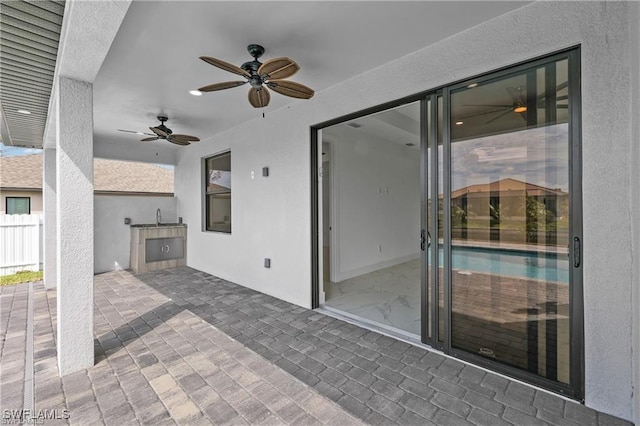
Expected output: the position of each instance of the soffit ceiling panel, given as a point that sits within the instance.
(153, 61)
(29, 36)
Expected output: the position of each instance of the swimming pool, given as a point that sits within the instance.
(520, 264)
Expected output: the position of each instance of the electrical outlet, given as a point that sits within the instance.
(267, 263)
(253, 175)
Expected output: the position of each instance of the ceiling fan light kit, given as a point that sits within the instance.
(260, 76)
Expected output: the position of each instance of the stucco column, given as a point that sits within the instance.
(74, 224)
(49, 201)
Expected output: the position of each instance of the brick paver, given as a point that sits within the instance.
(182, 346)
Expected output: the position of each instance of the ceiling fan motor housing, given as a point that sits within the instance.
(256, 51)
(162, 119)
(164, 129)
(251, 66)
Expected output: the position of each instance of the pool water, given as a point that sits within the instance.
(520, 264)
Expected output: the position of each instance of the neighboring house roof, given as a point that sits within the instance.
(109, 176)
(127, 176)
(23, 172)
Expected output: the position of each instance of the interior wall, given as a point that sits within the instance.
(112, 238)
(272, 215)
(376, 191)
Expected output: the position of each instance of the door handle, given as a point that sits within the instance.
(162, 248)
(428, 239)
(577, 257)
(422, 239)
(167, 246)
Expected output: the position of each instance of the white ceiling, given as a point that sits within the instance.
(153, 62)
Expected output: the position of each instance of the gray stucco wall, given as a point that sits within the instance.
(272, 216)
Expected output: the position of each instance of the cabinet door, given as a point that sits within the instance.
(154, 250)
(173, 248)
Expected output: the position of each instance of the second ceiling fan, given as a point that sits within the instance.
(260, 76)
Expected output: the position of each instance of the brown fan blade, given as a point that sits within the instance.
(278, 68)
(259, 98)
(222, 86)
(185, 137)
(289, 88)
(225, 66)
(178, 141)
(154, 138)
(159, 132)
(133, 131)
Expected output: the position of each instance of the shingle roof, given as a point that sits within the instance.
(127, 176)
(21, 172)
(109, 175)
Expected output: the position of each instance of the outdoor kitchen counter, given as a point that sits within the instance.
(156, 247)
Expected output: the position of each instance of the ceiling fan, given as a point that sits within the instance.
(165, 133)
(260, 75)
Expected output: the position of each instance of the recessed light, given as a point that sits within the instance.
(520, 108)
(195, 92)
(459, 123)
(472, 85)
(354, 125)
(24, 111)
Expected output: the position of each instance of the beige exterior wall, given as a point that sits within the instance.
(36, 200)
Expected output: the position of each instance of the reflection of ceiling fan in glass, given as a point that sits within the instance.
(519, 105)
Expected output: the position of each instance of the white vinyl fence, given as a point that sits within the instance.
(20, 243)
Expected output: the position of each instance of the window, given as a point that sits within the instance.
(18, 205)
(218, 193)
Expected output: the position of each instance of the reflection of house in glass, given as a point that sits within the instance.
(510, 210)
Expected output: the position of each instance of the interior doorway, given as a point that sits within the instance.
(370, 214)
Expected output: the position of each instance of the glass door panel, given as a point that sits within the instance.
(509, 220)
(375, 218)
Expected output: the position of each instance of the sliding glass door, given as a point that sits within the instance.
(509, 219)
(497, 266)
(371, 193)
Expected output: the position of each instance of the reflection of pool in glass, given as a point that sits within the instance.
(514, 263)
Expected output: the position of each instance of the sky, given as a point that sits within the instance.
(14, 151)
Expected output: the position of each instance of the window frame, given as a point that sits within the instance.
(6, 204)
(206, 194)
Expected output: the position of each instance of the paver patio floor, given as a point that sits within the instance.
(180, 346)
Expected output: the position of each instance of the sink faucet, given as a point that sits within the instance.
(158, 217)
